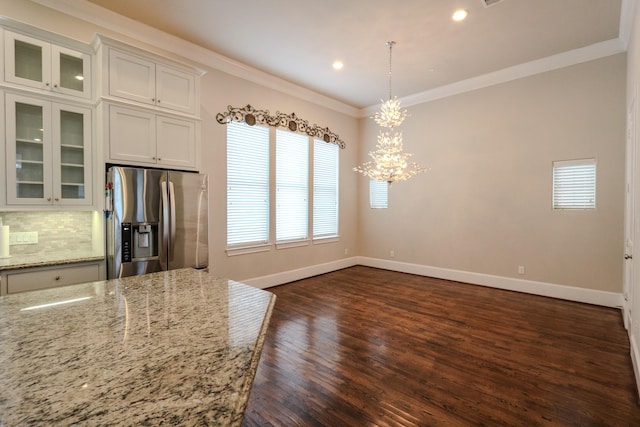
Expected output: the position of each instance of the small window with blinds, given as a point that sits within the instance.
(574, 184)
(247, 186)
(325, 189)
(292, 186)
(378, 194)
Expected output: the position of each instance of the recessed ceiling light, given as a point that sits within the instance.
(338, 65)
(460, 15)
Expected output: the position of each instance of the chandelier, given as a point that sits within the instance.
(389, 162)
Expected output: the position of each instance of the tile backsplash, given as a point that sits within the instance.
(57, 231)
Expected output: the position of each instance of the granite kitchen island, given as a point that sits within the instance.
(171, 348)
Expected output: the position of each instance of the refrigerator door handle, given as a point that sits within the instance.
(172, 200)
(165, 224)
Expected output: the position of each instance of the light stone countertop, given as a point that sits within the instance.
(49, 258)
(173, 348)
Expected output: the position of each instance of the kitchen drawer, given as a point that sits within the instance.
(50, 278)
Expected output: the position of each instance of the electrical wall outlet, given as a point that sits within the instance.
(521, 269)
(23, 238)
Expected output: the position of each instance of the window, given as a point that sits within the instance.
(325, 189)
(574, 184)
(247, 185)
(378, 194)
(289, 187)
(292, 186)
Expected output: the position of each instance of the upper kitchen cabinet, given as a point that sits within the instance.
(129, 74)
(40, 64)
(139, 137)
(137, 79)
(48, 153)
(148, 107)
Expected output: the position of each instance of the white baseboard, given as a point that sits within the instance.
(590, 296)
(635, 359)
(300, 273)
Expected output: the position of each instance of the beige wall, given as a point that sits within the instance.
(485, 204)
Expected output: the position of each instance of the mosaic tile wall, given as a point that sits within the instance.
(57, 231)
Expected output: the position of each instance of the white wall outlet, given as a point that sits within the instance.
(392, 253)
(521, 269)
(346, 251)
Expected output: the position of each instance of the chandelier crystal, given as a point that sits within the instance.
(390, 115)
(389, 161)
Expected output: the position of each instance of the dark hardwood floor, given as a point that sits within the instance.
(369, 347)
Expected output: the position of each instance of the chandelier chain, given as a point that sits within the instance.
(390, 45)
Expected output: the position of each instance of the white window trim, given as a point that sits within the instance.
(585, 205)
(377, 190)
(291, 142)
(326, 239)
(255, 245)
(242, 250)
(287, 244)
(335, 210)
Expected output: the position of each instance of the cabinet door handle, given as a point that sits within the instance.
(48, 199)
(47, 84)
(56, 199)
(158, 101)
(153, 100)
(55, 85)
(57, 277)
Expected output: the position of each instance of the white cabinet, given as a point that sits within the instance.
(36, 63)
(137, 136)
(138, 79)
(48, 153)
(149, 107)
(43, 278)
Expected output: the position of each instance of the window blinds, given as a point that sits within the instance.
(247, 184)
(378, 194)
(325, 189)
(574, 184)
(292, 186)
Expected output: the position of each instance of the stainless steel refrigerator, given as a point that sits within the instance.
(156, 220)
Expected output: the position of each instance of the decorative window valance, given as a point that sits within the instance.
(251, 116)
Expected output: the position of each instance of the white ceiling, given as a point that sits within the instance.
(297, 40)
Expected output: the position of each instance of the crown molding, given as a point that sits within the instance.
(561, 60)
(627, 12)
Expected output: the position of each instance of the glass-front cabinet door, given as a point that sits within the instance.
(48, 152)
(42, 65)
(28, 151)
(72, 155)
(70, 71)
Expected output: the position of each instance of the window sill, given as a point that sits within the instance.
(248, 249)
(292, 244)
(328, 239)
